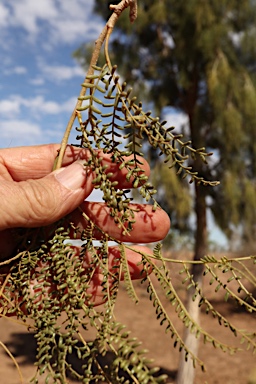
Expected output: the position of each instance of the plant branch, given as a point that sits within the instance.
(117, 10)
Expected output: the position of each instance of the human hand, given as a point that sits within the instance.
(34, 196)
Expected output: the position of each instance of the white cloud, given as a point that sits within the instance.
(27, 13)
(9, 106)
(4, 15)
(175, 118)
(20, 132)
(37, 81)
(40, 105)
(18, 70)
(36, 106)
(75, 22)
(67, 21)
(58, 73)
(52, 107)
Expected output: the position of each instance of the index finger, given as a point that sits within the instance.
(35, 162)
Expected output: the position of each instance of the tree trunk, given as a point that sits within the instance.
(186, 371)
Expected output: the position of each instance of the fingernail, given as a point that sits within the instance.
(73, 176)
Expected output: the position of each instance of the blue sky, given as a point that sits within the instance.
(39, 79)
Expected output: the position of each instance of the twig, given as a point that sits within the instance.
(117, 10)
(14, 361)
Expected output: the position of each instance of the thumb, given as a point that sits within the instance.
(40, 202)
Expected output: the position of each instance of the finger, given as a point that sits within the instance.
(35, 203)
(149, 226)
(97, 290)
(32, 162)
(22, 163)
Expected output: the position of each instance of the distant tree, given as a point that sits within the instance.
(199, 57)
